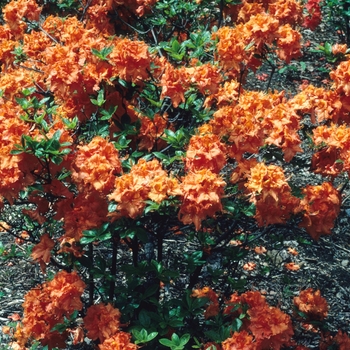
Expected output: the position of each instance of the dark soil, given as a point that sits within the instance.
(325, 264)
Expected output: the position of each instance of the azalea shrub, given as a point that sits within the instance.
(127, 126)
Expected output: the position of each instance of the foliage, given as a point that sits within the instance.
(126, 126)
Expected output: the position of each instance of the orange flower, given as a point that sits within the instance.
(227, 94)
(327, 162)
(95, 165)
(207, 292)
(312, 304)
(240, 341)
(314, 18)
(282, 125)
(342, 340)
(270, 327)
(146, 180)
(101, 321)
(174, 83)
(233, 50)
(211, 346)
(341, 77)
(321, 205)
(131, 60)
(320, 103)
(288, 43)
(85, 212)
(249, 9)
(119, 341)
(15, 11)
(42, 251)
(260, 250)
(292, 251)
(205, 151)
(271, 194)
(292, 266)
(65, 291)
(250, 266)
(286, 11)
(206, 78)
(201, 193)
(47, 305)
(339, 49)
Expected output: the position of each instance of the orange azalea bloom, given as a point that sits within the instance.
(146, 180)
(292, 251)
(46, 306)
(131, 60)
(320, 103)
(326, 162)
(342, 340)
(312, 303)
(78, 335)
(102, 321)
(288, 43)
(339, 49)
(205, 151)
(14, 317)
(206, 78)
(282, 124)
(95, 165)
(247, 10)
(65, 291)
(286, 11)
(42, 251)
(260, 250)
(15, 11)
(321, 205)
(271, 328)
(240, 341)
(233, 58)
(242, 170)
(227, 94)
(271, 194)
(119, 341)
(341, 78)
(174, 83)
(262, 29)
(250, 266)
(292, 266)
(315, 15)
(207, 292)
(201, 193)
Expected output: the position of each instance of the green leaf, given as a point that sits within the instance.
(166, 342)
(106, 115)
(160, 155)
(102, 54)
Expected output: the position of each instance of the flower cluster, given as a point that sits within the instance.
(271, 193)
(267, 327)
(47, 305)
(145, 181)
(207, 292)
(321, 206)
(312, 304)
(205, 151)
(201, 192)
(238, 48)
(96, 165)
(314, 18)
